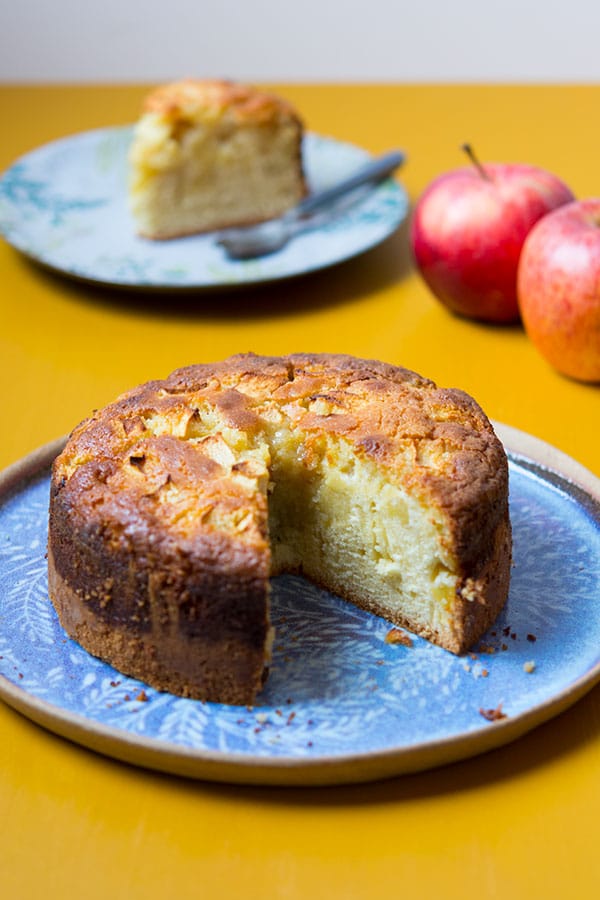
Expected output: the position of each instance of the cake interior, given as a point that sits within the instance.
(333, 515)
(347, 528)
(190, 177)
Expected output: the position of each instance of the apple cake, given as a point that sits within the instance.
(211, 154)
(171, 508)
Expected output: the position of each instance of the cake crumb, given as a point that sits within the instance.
(397, 636)
(531, 638)
(529, 666)
(493, 715)
(142, 697)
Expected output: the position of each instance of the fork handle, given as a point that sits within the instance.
(375, 170)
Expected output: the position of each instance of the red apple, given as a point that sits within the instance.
(468, 229)
(559, 288)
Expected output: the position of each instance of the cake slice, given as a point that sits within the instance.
(212, 154)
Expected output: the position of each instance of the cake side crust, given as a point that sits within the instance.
(189, 666)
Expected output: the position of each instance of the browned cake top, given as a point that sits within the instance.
(194, 99)
(437, 443)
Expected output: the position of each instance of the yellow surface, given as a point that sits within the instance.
(521, 821)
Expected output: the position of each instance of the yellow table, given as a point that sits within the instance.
(520, 821)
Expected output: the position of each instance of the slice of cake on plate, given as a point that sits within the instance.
(209, 154)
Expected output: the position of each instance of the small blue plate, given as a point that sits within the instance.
(65, 206)
(341, 704)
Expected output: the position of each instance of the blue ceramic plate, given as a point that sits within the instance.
(65, 206)
(341, 704)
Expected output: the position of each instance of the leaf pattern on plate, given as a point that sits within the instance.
(35, 198)
(336, 687)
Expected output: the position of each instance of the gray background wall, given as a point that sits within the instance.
(303, 40)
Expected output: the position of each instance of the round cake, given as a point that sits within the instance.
(172, 507)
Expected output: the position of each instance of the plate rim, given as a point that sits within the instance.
(199, 286)
(293, 771)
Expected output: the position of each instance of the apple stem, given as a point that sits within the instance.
(471, 154)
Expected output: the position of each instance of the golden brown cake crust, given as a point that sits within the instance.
(386, 412)
(163, 593)
(200, 98)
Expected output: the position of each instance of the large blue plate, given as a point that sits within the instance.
(341, 704)
(65, 205)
